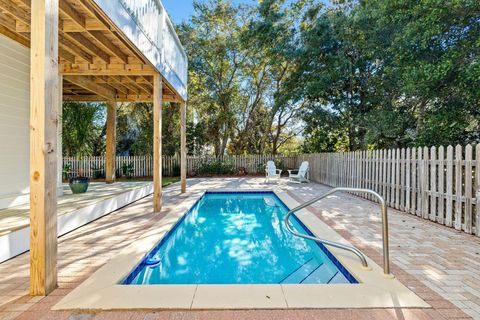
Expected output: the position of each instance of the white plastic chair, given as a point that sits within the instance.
(271, 171)
(301, 175)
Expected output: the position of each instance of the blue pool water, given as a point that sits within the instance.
(237, 238)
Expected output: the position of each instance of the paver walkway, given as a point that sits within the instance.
(439, 264)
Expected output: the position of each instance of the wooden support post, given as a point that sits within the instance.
(111, 142)
(157, 142)
(44, 93)
(183, 147)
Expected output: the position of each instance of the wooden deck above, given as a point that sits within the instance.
(98, 61)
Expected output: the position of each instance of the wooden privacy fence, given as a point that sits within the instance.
(439, 184)
(142, 166)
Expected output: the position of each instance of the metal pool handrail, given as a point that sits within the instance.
(358, 253)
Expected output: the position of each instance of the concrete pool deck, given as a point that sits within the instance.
(438, 264)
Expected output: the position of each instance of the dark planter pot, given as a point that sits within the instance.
(79, 184)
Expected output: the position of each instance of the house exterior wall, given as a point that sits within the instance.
(14, 123)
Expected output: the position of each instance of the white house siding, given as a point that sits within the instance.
(14, 123)
(14, 119)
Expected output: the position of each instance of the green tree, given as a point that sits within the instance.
(392, 73)
(211, 39)
(82, 125)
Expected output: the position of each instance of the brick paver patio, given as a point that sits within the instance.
(439, 264)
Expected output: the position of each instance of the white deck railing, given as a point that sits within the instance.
(147, 25)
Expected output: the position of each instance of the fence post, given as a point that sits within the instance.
(433, 184)
(441, 185)
(419, 181)
(413, 181)
(425, 188)
(397, 179)
(449, 191)
(468, 189)
(458, 187)
(477, 188)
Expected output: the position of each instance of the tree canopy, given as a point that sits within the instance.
(301, 76)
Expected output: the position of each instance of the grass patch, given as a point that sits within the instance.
(166, 181)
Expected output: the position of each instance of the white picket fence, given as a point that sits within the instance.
(142, 166)
(439, 184)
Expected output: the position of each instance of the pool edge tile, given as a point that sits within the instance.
(239, 297)
(388, 295)
(131, 297)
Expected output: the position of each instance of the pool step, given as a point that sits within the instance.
(320, 275)
(339, 278)
(301, 272)
(311, 272)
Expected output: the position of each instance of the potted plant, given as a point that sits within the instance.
(79, 184)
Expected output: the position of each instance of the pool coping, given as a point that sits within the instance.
(103, 291)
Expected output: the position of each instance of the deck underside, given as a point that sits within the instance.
(96, 59)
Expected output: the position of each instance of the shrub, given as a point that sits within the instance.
(217, 167)
(127, 170)
(176, 169)
(67, 170)
(98, 172)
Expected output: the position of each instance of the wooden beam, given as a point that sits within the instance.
(44, 93)
(85, 43)
(25, 41)
(113, 82)
(106, 70)
(27, 3)
(66, 55)
(15, 36)
(83, 98)
(138, 86)
(108, 44)
(145, 81)
(90, 24)
(21, 27)
(8, 22)
(93, 12)
(183, 147)
(120, 35)
(111, 142)
(73, 14)
(89, 84)
(128, 83)
(69, 96)
(98, 35)
(157, 143)
(74, 49)
(15, 11)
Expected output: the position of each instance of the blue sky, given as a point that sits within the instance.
(180, 10)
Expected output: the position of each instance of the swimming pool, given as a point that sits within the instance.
(237, 238)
